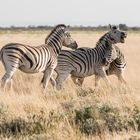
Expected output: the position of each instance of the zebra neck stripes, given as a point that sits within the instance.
(104, 42)
(55, 39)
(104, 47)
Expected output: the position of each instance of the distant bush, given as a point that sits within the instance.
(75, 28)
(123, 27)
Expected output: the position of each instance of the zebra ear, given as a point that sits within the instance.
(118, 27)
(68, 28)
(110, 27)
(113, 27)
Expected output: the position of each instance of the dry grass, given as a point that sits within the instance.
(28, 112)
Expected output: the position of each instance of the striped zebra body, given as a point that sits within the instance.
(27, 58)
(31, 59)
(86, 62)
(117, 67)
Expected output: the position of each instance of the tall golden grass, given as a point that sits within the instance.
(51, 115)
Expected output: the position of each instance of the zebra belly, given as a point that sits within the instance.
(77, 74)
(27, 70)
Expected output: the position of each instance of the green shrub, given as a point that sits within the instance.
(86, 121)
(136, 116)
(33, 124)
(111, 117)
(20, 126)
(94, 120)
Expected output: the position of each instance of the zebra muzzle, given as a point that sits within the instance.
(73, 45)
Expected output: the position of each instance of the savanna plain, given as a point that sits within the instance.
(27, 112)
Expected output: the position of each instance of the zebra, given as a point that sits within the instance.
(34, 59)
(86, 62)
(117, 67)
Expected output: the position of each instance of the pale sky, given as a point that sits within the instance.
(72, 12)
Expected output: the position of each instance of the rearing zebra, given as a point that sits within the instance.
(86, 62)
(41, 58)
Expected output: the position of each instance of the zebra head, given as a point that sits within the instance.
(60, 36)
(68, 41)
(116, 35)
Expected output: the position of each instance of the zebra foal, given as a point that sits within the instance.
(86, 62)
(36, 59)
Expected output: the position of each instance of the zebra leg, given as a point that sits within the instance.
(97, 81)
(74, 79)
(53, 82)
(121, 78)
(80, 81)
(102, 73)
(11, 84)
(61, 77)
(7, 78)
(77, 80)
(107, 82)
(42, 79)
(47, 75)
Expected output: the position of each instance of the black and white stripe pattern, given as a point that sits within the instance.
(116, 67)
(85, 62)
(41, 58)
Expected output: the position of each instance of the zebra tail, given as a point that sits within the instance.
(0, 54)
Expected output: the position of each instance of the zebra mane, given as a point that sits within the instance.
(54, 30)
(103, 37)
(106, 39)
